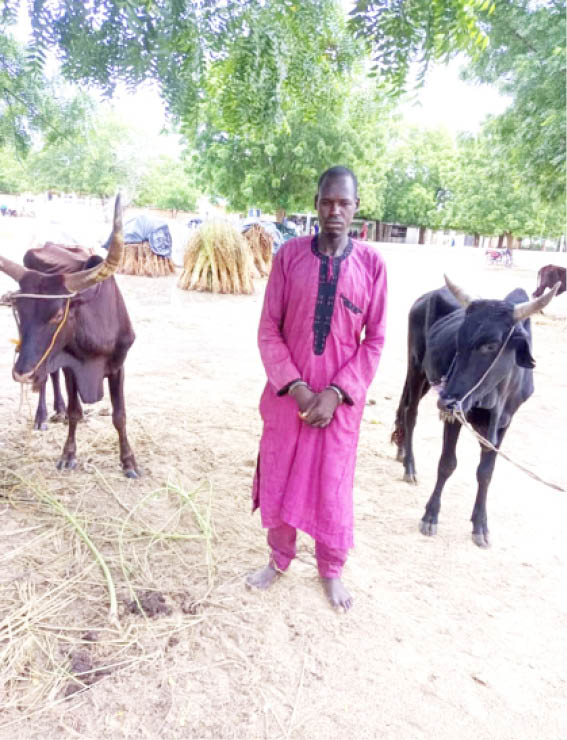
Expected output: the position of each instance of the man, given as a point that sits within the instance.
(322, 292)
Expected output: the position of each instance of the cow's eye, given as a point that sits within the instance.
(489, 348)
(57, 318)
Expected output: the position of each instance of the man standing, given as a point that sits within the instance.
(323, 291)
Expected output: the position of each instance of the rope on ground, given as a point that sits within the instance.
(461, 418)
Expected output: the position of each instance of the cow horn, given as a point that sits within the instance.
(12, 269)
(459, 293)
(77, 281)
(523, 310)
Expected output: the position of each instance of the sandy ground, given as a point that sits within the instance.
(444, 640)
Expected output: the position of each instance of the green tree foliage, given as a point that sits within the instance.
(490, 196)
(14, 177)
(280, 171)
(516, 44)
(176, 43)
(167, 184)
(101, 157)
(418, 178)
(526, 58)
(30, 104)
(400, 34)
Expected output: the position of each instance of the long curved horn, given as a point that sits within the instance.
(459, 293)
(77, 281)
(12, 269)
(523, 310)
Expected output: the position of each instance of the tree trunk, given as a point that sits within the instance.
(476, 240)
(421, 237)
(509, 240)
(500, 241)
(280, 215)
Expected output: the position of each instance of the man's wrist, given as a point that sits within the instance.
(297, 384)
(337, 391)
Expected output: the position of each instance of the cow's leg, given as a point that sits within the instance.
(484, 476)
(58, 400)
(116, 387)
(68, 461)
(446, 467)
(416, 387)
(40, 421)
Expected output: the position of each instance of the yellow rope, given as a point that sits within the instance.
(61, 324)
(55, 335)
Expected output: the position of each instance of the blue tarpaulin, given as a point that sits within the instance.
(147, 229)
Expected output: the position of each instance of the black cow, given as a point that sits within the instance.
(478, 356)
(547, 277)
(76, 321)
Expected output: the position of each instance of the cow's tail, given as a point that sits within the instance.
(398, 435)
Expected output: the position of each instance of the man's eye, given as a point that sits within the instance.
(488, 348)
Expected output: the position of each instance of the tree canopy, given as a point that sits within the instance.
(269, 93)
(418, 177)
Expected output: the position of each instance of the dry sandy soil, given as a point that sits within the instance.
(445, 640)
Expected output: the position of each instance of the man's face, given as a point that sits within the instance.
(336, 204)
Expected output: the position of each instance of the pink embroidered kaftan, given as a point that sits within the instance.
(305, 475)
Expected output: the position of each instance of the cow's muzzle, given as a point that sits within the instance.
(23, 377)
(447, 408)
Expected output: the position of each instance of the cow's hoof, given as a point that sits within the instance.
(481, 539)
(65, 463)
(40, 426)
(429, 529)
(131, 473)
(59, 418)
(410, 478)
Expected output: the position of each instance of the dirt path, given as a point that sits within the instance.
(445, 640)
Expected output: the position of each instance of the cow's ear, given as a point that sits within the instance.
(521, 344)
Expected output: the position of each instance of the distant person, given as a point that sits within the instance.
(316, 229)
(453, 242)
(324, 294)
(364, 232)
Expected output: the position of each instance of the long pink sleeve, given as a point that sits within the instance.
(356, 375)
(276, 357)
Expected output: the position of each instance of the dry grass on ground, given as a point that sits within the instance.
(444, 639)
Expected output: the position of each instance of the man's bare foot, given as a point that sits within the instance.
(262, 578)
(336, 593)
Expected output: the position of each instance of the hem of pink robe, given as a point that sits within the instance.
(340, 541)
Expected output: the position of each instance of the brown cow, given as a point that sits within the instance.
(51, 259)
(547, 277)
(76, 321)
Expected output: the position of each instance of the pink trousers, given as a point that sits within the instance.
(281, 541)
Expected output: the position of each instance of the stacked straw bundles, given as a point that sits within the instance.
(261, 244)
(217, 259)
(139, 259)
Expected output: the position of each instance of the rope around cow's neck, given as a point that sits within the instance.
(8, 298)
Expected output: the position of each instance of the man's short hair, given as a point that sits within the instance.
(334, 172)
